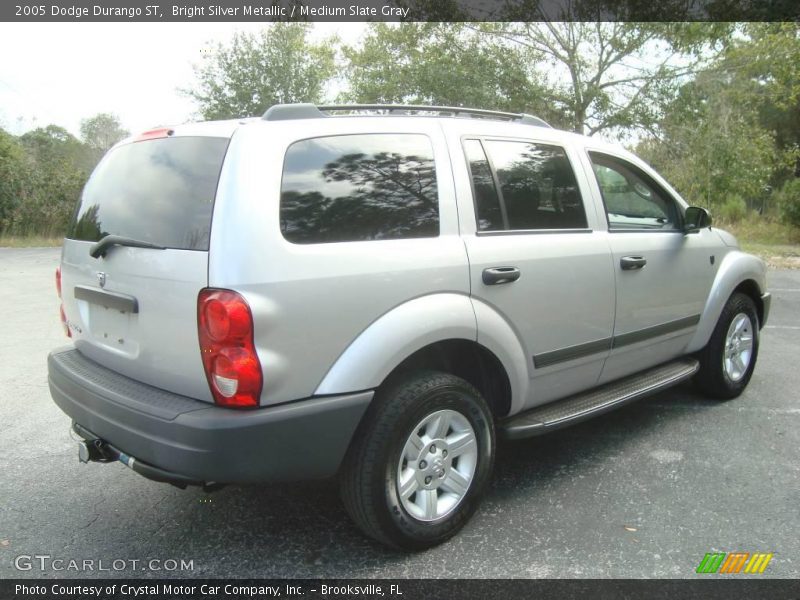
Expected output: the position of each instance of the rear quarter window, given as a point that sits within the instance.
(160, 191)
(350, 188)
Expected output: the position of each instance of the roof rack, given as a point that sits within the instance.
(283, 112)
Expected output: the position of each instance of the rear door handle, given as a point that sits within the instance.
(632, 263)
(498, 275)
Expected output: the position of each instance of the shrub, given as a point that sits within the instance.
(733, 210)
(788, 199)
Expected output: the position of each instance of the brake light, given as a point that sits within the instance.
(61, 313)
(161, 132)
(230, 361)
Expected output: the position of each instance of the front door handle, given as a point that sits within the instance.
(498, 275)
(632, 263)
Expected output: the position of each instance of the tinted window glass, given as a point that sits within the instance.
(487, 203)
(633, 200)
(537, 185)
(359, 187)
(160, 191)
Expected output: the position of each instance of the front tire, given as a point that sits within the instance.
(728, 360)
(420, 460)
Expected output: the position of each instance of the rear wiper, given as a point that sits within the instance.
(100, 248)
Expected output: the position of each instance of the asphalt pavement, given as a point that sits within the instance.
(644, 491)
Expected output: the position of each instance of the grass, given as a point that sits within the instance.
(29, 241)
(778, 244)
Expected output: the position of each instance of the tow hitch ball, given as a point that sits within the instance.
(93, 451)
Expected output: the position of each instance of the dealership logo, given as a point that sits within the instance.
(734, 562)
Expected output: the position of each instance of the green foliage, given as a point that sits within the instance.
(13, 170)
(43, 171)
(770, 61)
(733, 210)
(715, 107)
(59, 166)
(788, 199)
(440, 64)
(719, 137)
(277, 65)
(42, 174)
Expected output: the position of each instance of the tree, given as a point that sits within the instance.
(277, 65)
(610, 76)
(733, 133)
(13, 177)
(711, 146)
(102, 131)
(59, 167)
(440, 64)
(768, 61)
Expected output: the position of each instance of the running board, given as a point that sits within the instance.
(560, 413)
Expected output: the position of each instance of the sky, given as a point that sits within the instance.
(60, 73)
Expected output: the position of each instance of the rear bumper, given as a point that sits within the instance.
(201, 442)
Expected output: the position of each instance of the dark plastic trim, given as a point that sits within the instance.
(200, 441)
(103, 245)
(641, 335)
(766, 303)
(546, 359)
(533, 422)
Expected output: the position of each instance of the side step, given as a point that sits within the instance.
(560, 413)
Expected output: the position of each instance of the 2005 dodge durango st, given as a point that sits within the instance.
(377, 293)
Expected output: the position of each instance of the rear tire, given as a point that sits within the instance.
(728, 360)
(420, 460)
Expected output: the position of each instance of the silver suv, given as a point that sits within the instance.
(378, 293)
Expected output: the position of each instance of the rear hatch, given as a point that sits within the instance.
(132, 308)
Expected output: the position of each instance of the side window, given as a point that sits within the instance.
(359, 187)
(487, 202)
(538, 189)
(632, 199)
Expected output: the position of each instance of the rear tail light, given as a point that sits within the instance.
(225, 329)
(61, 306)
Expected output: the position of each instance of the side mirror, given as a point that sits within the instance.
(695, 219)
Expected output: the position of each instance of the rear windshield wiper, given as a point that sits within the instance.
(100, 248)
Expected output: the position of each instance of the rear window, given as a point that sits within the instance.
(159, 191)
(351, 188)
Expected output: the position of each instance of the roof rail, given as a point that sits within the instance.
(282, 112)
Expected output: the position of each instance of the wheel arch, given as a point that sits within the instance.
(437, 332)
(468, 360)
(739, 272)
(750, 288)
